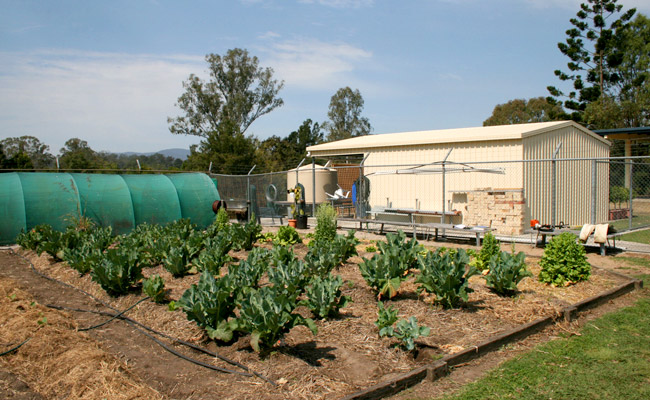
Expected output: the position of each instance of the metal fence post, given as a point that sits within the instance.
(631, 193)
(313, 187)
(554, 185)
(248, 193)
(443, 186)
(594, 170)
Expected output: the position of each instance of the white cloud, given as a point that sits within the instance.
(117, 102)
(640, 5)
(341, 3)
(313, 64)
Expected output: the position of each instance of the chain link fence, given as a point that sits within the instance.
(502, 195)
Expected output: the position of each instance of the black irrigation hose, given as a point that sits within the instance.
(135, 324)
(179, 341)
(114, 316)
(14, 348)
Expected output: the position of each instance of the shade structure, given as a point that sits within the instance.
(106, 200)
(123, 201)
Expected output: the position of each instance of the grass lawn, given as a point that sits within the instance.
(638, 237)
(609, 360)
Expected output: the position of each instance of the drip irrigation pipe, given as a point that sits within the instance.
(138, 326)
(15, 347)
(179, 341)
(114, 316)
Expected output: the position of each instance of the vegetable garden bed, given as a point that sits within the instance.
(346, 354)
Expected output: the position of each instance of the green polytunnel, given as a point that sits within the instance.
(196, 193)
(106, 200)
(154, 198)
(28, 199)
(50, 198)
(12, 207)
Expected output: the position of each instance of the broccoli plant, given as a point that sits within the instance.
(154, 287)
(564, 261)
(117, 271)
(211, 305)
(446, 274)
(267, 314)
(505, 272)
(406, 330)
(386, 317)
(324, 296)
(384, 273)
(397, 245)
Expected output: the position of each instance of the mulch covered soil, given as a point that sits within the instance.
(345, 356)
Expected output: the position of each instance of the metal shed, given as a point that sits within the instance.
(500, 176)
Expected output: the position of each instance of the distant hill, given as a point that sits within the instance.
(175, 153)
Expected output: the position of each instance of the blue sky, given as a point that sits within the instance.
(109, 72)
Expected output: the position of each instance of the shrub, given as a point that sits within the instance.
(325, 223)
(506, 271)
(564, 261)
(491, 246)
(446, 274)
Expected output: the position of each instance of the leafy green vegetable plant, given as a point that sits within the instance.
(446, 274)
(211, 305)
(406, 330)
(397, 245)
(324, 296)
(564, 261)
(267, 315)
(245, 236)
(154, 287)
(506, 270)
(325, 223)
(118, 271)
(386, 317)
(384, 273)
(286, 236)
(490, 247)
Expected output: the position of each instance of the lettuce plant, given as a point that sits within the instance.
(564, 261)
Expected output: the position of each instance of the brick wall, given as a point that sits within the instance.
(502, 210)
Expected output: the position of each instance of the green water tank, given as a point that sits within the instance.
(50, 198)
(196, 193)
(154, 198)
(12, 207)
(106, 200)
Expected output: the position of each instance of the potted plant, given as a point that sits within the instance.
(298, 216)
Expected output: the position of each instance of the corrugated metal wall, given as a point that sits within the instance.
(424, 191)
(574, 178)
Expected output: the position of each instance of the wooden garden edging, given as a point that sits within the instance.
(441, 367)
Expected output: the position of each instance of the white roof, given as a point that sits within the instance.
(482, 133)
